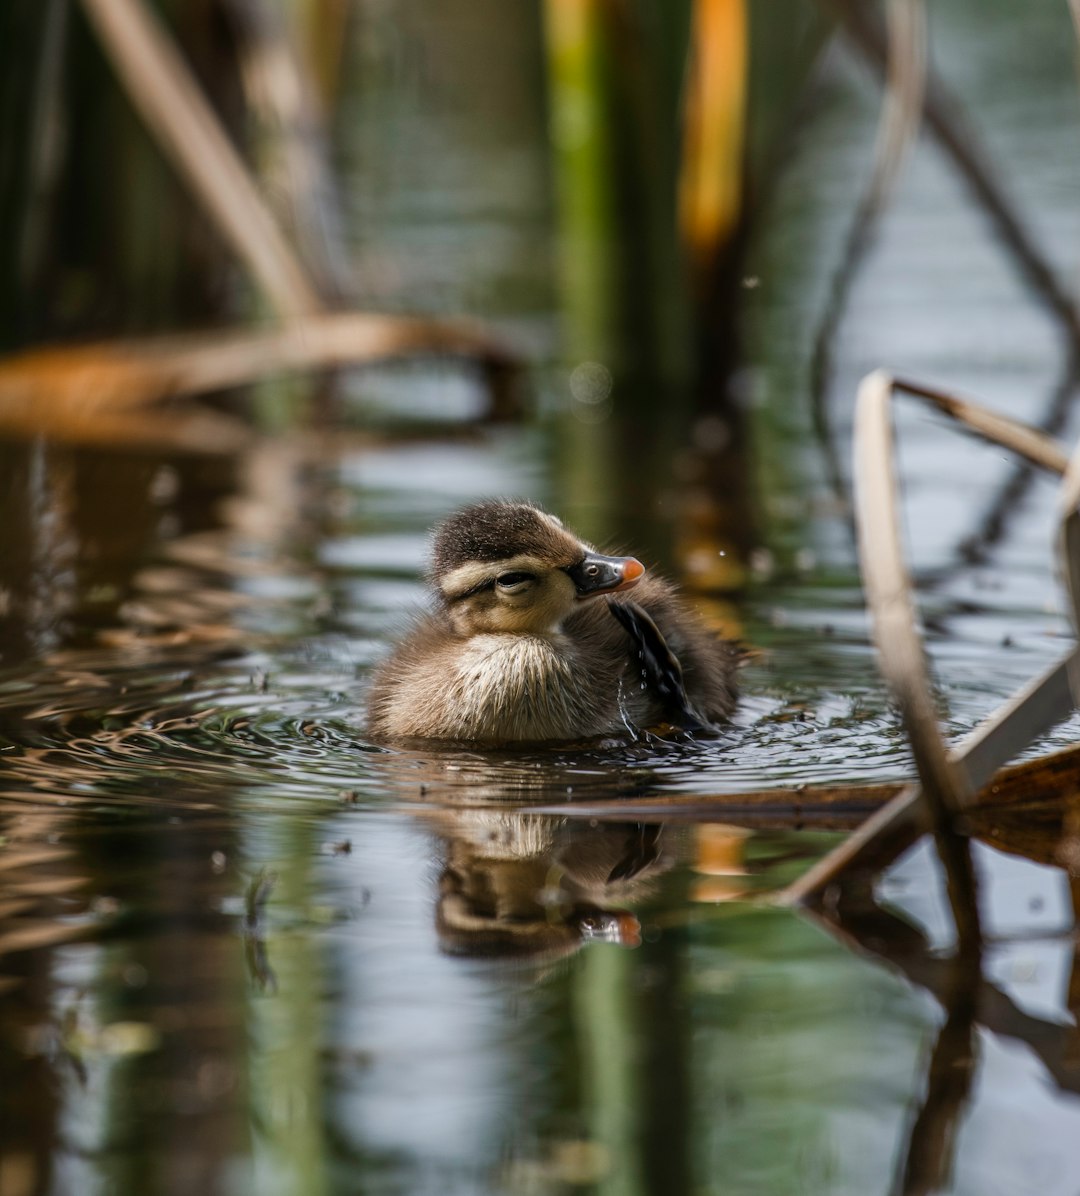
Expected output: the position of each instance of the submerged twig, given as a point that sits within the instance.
(1044, 783)
(257, 895)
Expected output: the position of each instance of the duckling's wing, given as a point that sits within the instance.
(660, 667)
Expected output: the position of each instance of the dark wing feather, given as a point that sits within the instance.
(642, 849)
(660, 667)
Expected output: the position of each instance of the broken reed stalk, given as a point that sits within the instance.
(893, 828)
(168, 98)
(948, 780)
(1068, 545)
(1000, 512)
(900, 650)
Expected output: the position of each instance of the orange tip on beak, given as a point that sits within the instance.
(632, 570)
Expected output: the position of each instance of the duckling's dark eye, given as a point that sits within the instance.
(509, 580)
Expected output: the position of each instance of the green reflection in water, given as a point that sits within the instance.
(286, 1015)
(801, 1061)
(604, 1015)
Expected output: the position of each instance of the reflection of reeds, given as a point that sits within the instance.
(928, 1159)
(947, 121)
(898, 126)
(968, 999)
(914, 93)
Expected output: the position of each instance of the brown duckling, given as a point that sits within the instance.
(521, 647)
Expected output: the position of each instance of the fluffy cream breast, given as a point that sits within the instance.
(499, 688)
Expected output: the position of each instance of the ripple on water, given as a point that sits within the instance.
(245, 733)
(267, 706)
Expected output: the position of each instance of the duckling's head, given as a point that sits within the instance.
(511, 567)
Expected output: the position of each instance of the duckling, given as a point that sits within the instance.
(519, 649)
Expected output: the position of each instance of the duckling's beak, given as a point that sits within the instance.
(610, 926)
(598, 574)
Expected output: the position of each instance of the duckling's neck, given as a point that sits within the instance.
(472, 624)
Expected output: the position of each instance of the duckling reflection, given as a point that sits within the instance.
(518, 651)
(525, 886)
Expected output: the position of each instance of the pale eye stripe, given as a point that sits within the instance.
(479, 588)
(466, 578)
(477, 576)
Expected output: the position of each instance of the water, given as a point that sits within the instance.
(244, 949)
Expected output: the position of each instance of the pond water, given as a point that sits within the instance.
(243, 949)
